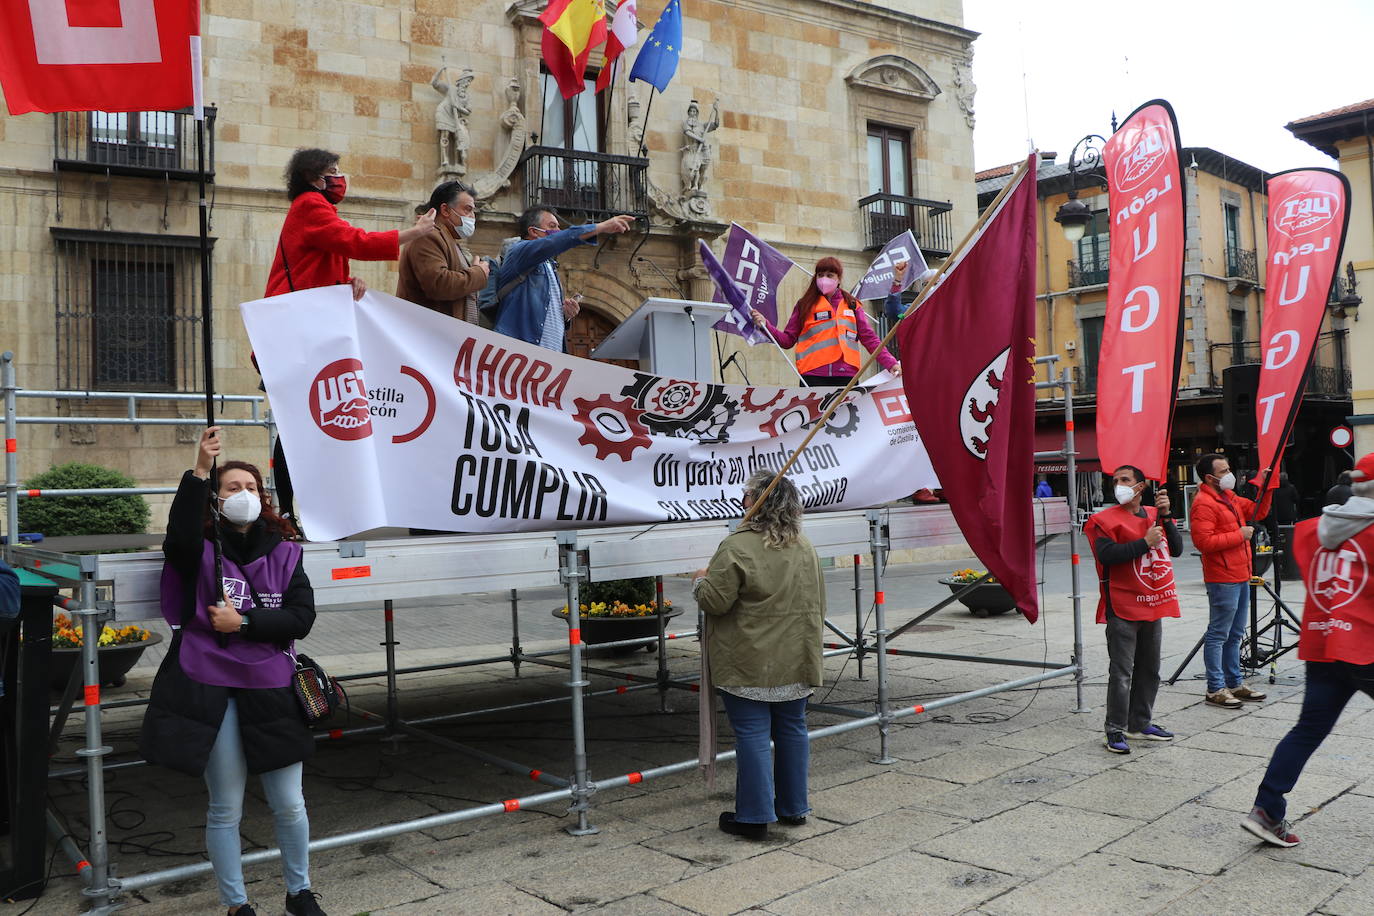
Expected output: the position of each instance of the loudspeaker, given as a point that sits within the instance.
(1239, 385)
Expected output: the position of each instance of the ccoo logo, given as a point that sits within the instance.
(1306, 211)
(338, 401)
(1143, 159)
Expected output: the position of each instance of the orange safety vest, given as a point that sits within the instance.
(829, 334)
(1338, 616)
(1142, 589)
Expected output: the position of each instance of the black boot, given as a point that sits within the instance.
(736, 828)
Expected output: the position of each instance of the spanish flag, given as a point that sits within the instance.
(572, 28)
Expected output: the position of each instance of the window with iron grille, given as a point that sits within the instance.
(127, 311)
(149, 143)
(1094, 250)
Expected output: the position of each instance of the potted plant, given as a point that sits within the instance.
(118, 651)
(619, 609)
(988, 597)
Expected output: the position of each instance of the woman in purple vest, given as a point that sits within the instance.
(222, 705)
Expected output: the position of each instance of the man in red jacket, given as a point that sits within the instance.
(1222, 524)
(1336, 556)
(1133, 546)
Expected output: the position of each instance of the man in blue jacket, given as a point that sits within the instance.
(9, 591)
(531, 304)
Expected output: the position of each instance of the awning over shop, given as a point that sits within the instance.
(1051, 439)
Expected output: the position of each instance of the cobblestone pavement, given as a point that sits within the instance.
(1003, 805)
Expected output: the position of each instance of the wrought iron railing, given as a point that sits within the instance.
(1328, 377)
(886, 216)
(584, 184)
(1088, 270)
(1340, 290)
(161, 143)
(1241, 264)
(127, 311)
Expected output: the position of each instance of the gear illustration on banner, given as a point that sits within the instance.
(752, 406)
(797, 413)
(843, 428)
(706, 415)
(675, 398)
(611, 426)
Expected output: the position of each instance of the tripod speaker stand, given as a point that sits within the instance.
(1263, 643)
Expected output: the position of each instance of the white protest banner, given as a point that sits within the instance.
(395, 415)
(877, 282)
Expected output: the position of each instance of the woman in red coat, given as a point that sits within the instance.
(316, 243)
(314, 249)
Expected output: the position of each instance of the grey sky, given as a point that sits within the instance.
(1235, 72)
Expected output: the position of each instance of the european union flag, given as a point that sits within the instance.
(657, 60)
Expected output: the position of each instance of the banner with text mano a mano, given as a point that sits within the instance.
(395, 415)
(1307, 223)
(1137, 370)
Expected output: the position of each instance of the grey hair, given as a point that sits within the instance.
(779, 516)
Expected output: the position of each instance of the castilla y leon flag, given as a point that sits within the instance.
(1137, 369)
(98, 55)
(1308, 216)
(623, 35)
(572, 28)
(968, 360)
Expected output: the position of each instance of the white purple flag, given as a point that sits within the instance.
(877, 282)
(755, 268)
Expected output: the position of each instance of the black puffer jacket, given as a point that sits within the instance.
(184, 716)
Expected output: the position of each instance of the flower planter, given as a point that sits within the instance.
(985, 599)
(597, 630)
(115, 662)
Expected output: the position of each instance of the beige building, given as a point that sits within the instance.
(841, 123)
(1347, 135)
(1223, 298)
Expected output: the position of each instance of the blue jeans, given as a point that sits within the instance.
(766, 788)
(1330, 685)
(1229, 605)
(226, 776)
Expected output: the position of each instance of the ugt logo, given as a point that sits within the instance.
(338, 401)
(1337, 576)
(1304, 212)
(127, 38)
(1154, 570)
(1143, 159)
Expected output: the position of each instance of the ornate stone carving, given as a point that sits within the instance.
(893, 75)
(696, 157)
(634, 129)
(487, 184)
(964, 89)
(451, 121)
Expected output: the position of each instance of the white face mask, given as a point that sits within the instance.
(1227, 481)
(467, 225)
(1124, 494)
(243, 508)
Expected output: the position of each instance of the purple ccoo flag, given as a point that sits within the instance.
(736, 321)
(877, 283)
(755, 269)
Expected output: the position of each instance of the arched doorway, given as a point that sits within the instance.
(588, 329)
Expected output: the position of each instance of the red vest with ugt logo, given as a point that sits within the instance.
(1142, 589)
(1338, 618)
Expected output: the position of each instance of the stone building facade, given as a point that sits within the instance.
(841, 122)
(1225, 255)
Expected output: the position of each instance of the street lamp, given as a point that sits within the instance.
(1074, 215)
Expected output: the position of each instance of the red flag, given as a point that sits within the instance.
(572, 28)
(968, 360)
(623, 35)
(1308, 215)
(113, 55)
(1137, 370)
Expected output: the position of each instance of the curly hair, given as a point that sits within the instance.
(305, 168)
(779, 517)
(269, 514)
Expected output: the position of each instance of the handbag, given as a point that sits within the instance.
(318, 693)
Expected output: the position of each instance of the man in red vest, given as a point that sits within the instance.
(1336, 556)
(1133, 546)
(1222, 524)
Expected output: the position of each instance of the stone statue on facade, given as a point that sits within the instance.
(451, 120)
(634, 125)
(487, 184)
(697, 155)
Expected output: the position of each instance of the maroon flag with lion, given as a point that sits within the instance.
(968, 360)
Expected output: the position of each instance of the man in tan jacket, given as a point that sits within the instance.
(435, 270)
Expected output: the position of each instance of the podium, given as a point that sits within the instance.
(669, 337)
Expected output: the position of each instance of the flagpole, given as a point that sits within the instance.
(769, 331)
(644, 132)
(872, 357)
(610, 98)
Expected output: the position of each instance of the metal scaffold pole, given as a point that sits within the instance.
(878, 541)
(572, 573)
(1074, 568)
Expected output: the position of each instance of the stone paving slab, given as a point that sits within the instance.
(746, 884)
(1002, 792)
(1096, 884)
(495, 899)
(876, 838)
(1137, 795)
(1259, 886)
(903, 883)
(872, 795)
(1194, 836)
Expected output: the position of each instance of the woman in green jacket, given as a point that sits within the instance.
(766, 597)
